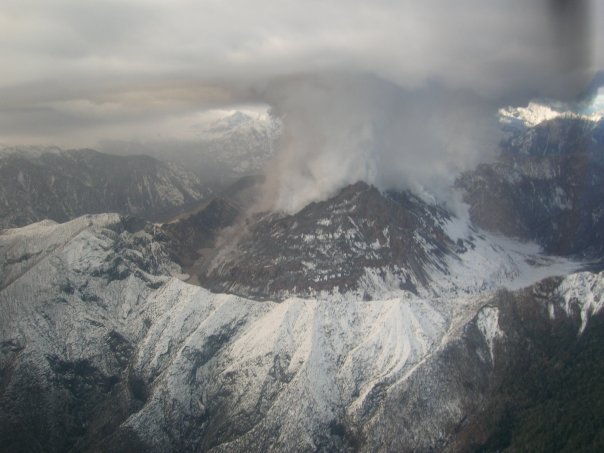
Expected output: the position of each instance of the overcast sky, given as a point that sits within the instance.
(76, 71)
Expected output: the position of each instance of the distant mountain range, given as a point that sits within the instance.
(39, 184)
(370, 321)
(225, 149)
(589, 108)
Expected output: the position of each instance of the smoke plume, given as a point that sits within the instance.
(340, 129)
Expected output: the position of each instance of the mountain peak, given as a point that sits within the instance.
(332, 244)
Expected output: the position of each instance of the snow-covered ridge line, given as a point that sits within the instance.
(29, 151)
(536, 113)
(62, 185)
(221, 371)
(23, 248)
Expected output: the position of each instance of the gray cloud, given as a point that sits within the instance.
(397, 85)
(340, 129)
(493, 47)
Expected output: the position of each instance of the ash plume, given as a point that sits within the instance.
(340, 129)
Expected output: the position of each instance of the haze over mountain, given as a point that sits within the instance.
(38, 184)
(229, 145)
(320, 226)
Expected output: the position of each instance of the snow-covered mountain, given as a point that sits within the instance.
(371, 321)
(224, 149)
(38, 184)
(538, 111)
(546, 186)
(241, 141)
(104, 347)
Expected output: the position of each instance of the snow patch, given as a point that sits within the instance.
(487, 322)
(585, 291)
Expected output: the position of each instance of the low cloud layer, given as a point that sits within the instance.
(77, 69)
(384, 91)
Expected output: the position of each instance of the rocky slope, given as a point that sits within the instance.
(194, 233)
(547, 186)
(364, 242)
(61, 185)
(104, 349)
(332, 244)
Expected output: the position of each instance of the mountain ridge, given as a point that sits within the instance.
(368, 321)
(545, 186)
(61, 185)
(117, 351)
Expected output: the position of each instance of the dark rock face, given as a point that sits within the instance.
(199, 230)
(64, 185)
(543, 392)
(548, 186)
(329, 245)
